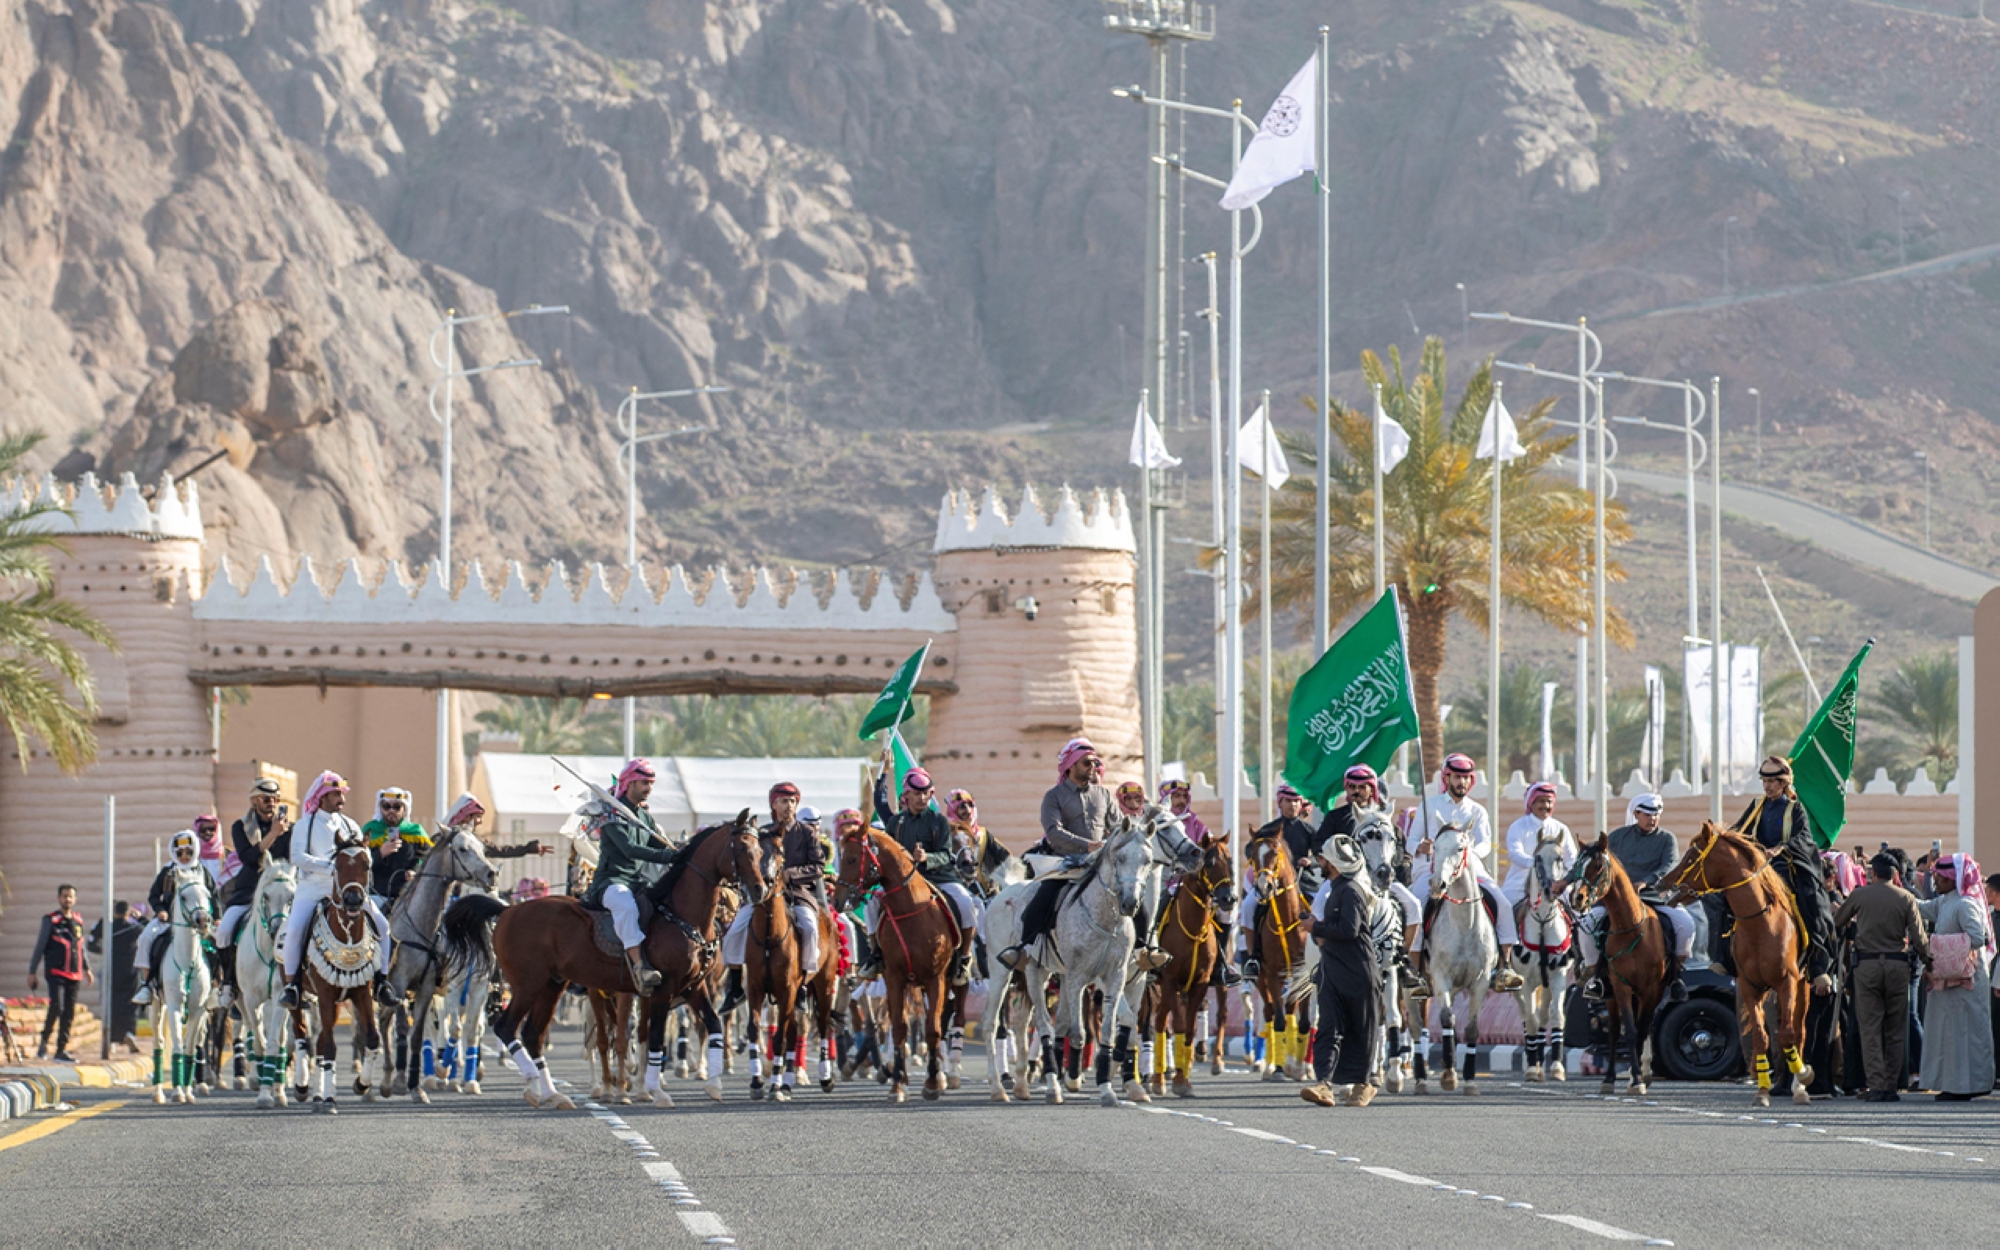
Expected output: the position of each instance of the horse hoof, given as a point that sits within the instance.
(1073, 1084)
(999, 1095)
(714, 1090)
(1216, 1068)
(1448, 1082)
(1471, 1089)
(1556, 1071)
(528, 1092)
(931, 1094)
(264, 1102)
(1607, 1089)
(1800, 1094)
(826, 1086)
(953, 1082)
(399, 1086)
(1533, 1076)
(1393, 1083)
(278, 1099)
(1422, 1088)
(681, 1071)
(662, 1099)
(1763, 1098)
(898, 1095)
(1183, 1089)
(624, 1098)
(1135, 1091)
(420, 1097)
(330, 1108)
(756, 1092)
(242, 1082)
(1635, 1090)
(1055, 1096)
(1804, 1077)
(159, 1097)
(469, 1087)
(782, 1094)
(1107, 1096)
(561, 1102)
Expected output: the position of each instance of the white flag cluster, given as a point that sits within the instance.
(1257, 451)
(1285, 143)
(1149, 446)
(1392, 441)
(1498, 431)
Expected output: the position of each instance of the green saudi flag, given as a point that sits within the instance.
(1823, 756)
(892, 706)
(1355, 706)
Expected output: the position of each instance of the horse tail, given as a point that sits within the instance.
(468, 933)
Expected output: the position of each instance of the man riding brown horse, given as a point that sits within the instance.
(801, 855)
(625, 840)
(1778, 822)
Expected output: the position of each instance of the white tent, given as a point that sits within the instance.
(529, 795)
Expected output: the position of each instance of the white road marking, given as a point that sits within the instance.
(1609, 1231)
(703, 1223)
(1261, 1135)
(663, 1171)
(1391, 1174)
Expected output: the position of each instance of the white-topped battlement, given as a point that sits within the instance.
(595, 597)
(1098, 522)
(84, 507)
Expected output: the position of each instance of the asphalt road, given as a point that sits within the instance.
(1245, 1162)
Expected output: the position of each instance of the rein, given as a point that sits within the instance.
(1291, 887)
(1205, 901)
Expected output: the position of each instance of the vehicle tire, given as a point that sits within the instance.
(1698, 1041)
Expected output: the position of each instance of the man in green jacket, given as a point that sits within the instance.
(622, 847)
(924, 832)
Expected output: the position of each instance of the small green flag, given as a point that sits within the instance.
(1823, 756)
(1355, 706)
(892, 706)
(906, 760)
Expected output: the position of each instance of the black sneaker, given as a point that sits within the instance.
(63, 1056)
(289, 1000)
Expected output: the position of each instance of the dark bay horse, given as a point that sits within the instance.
(545, 944)
(1767, 939)
(918, 934)
(339, 966)
(1193, 942)
(1634, 952)
(774, 972)
(1283, 931)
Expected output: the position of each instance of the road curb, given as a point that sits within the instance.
(83, 1075)
(24, 1092)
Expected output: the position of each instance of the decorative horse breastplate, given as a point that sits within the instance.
(343, 964)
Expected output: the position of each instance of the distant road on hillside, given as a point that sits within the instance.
(1841, 535)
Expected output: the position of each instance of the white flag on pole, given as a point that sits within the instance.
(1258, 451)
(1653, 751)
(1392, 441)
(1149, 446)
(1284, 144)
(1498, 430)
(1548, 761)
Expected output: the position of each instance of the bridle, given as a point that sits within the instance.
(1441, 882)
(1702, 888)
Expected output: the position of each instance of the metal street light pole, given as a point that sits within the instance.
(1267, 769)
(1716, 674)
(1726, 224)
(1757, 444)
(1323, 442)
(628, 425)
(1465, 322)
(1218, 533)
(1924, 461)
(448, 364)
(1902, 254)
(1493, 782)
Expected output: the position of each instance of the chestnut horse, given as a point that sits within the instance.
(339, 966)
(918, 934)
(1634, 952)
(1193, 942)
(772, 970)
(1767, 938)
(1283, 932)
(545, 944)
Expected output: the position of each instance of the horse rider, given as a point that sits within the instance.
(801, 857)
(1350, 1003)
(1304, 842)
(323, 830)
(624, 844)
(262, 835)
(1524, 839)
(1452, 806)
(1363, 800)
(1778, 822)
(183, 851)
(924, 832)
(1647, 851)
(1078, 815)
(397, 843)
(974, 842)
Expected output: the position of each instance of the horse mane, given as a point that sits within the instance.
(685, 857)
(1614, 871)
(1737, 841)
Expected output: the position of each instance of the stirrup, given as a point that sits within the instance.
(143, 996)
(644, 977)
(1420, 988)
(290, 998)
(1677, 991)
(1252, 966)
(1011, 959)
(1593, 989)
(961, 968)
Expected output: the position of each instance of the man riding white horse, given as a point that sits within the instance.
(1452, 806)
(261, 836)
(1524, 839)
(183, 851)
(1646, 852)
(802, 858)
(924, 832)
(622, 847)
(321, 832)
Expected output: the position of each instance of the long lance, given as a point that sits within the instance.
(613, 801)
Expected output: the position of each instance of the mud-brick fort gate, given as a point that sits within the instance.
(345, 663)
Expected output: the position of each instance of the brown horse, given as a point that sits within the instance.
(918, 935)
(545, 944)
(339, 966)
(1193, 942)
(1282, 934)
(773, 971)
(1767, 938)
(1634, 951)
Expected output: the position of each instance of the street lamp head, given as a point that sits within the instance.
(1460, 285)
(1753, 390)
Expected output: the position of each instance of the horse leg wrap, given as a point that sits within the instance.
(1168, 1056)
(238, 1053)
(1201, 1025)
(156, 1065)
(1471, 1062)
(715, 1058)
(1553, 1051)
(1147, 1062)
(1794, 1062)
(1184, 1051)
(656, 1062)
(548, 1085)
(681, 1049)
(1049, 1058)
(756, 1061)
(826, 1057)
(1533, 1047)
(471, 1064)
(1763, 1071)
(430, 1057)
(1103, 1065)
(447, 1060)
(324, 1090)
(519, 1054)
(1121, 1051)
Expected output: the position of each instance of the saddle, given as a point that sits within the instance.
(1054, 867)
(605, 933)
(1432, 906)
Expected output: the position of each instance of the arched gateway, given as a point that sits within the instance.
(1031, 617)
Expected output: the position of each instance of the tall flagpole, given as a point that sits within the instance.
(1230, 752)
(1715, 673)
(1322, 501)
(1267, 768)
(1381, 573)
(1219, 494)
(1493, 619)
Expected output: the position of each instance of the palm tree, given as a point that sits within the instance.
(1437, 510)
(548, 726)
(1921, 698)
(39, 665)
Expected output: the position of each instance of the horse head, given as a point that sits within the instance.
(746, 858)
(1271, 862)
(1216, 876)
(275, 891)
(1128, 855)
(191, 900)
(466, 858)
(1592, 872)
(1165, 832)
(350, 876)
(1546, 868)
(1377, 837)
(1693, 877)
(1451, 865)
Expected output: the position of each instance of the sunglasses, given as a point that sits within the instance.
(392, 807)
(184, 853)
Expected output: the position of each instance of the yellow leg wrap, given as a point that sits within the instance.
(1763, 1072)
(1183, 1048)
(1793, 1061)
(1270, 1045)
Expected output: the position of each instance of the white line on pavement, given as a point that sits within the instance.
(706, 1225)
(1611, 1231)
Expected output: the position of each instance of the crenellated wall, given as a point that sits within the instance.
(1006, 691)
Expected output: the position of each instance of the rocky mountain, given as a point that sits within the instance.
(907, 233)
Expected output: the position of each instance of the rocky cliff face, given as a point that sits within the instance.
(891, 226)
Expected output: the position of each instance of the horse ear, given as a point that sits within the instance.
(743, 818)
(1604, 841)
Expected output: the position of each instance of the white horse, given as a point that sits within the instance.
(1458, 951)
(260, 977)
(466, 938)
(1399, 1053)
(1094, 932)
(417, 967)
(1546, 935)
(182, 1005)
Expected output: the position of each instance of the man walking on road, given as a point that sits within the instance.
(1888, 932)
(59, 952)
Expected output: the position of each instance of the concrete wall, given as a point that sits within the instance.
(374, 736)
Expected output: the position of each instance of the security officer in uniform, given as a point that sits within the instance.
(1888, 933)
